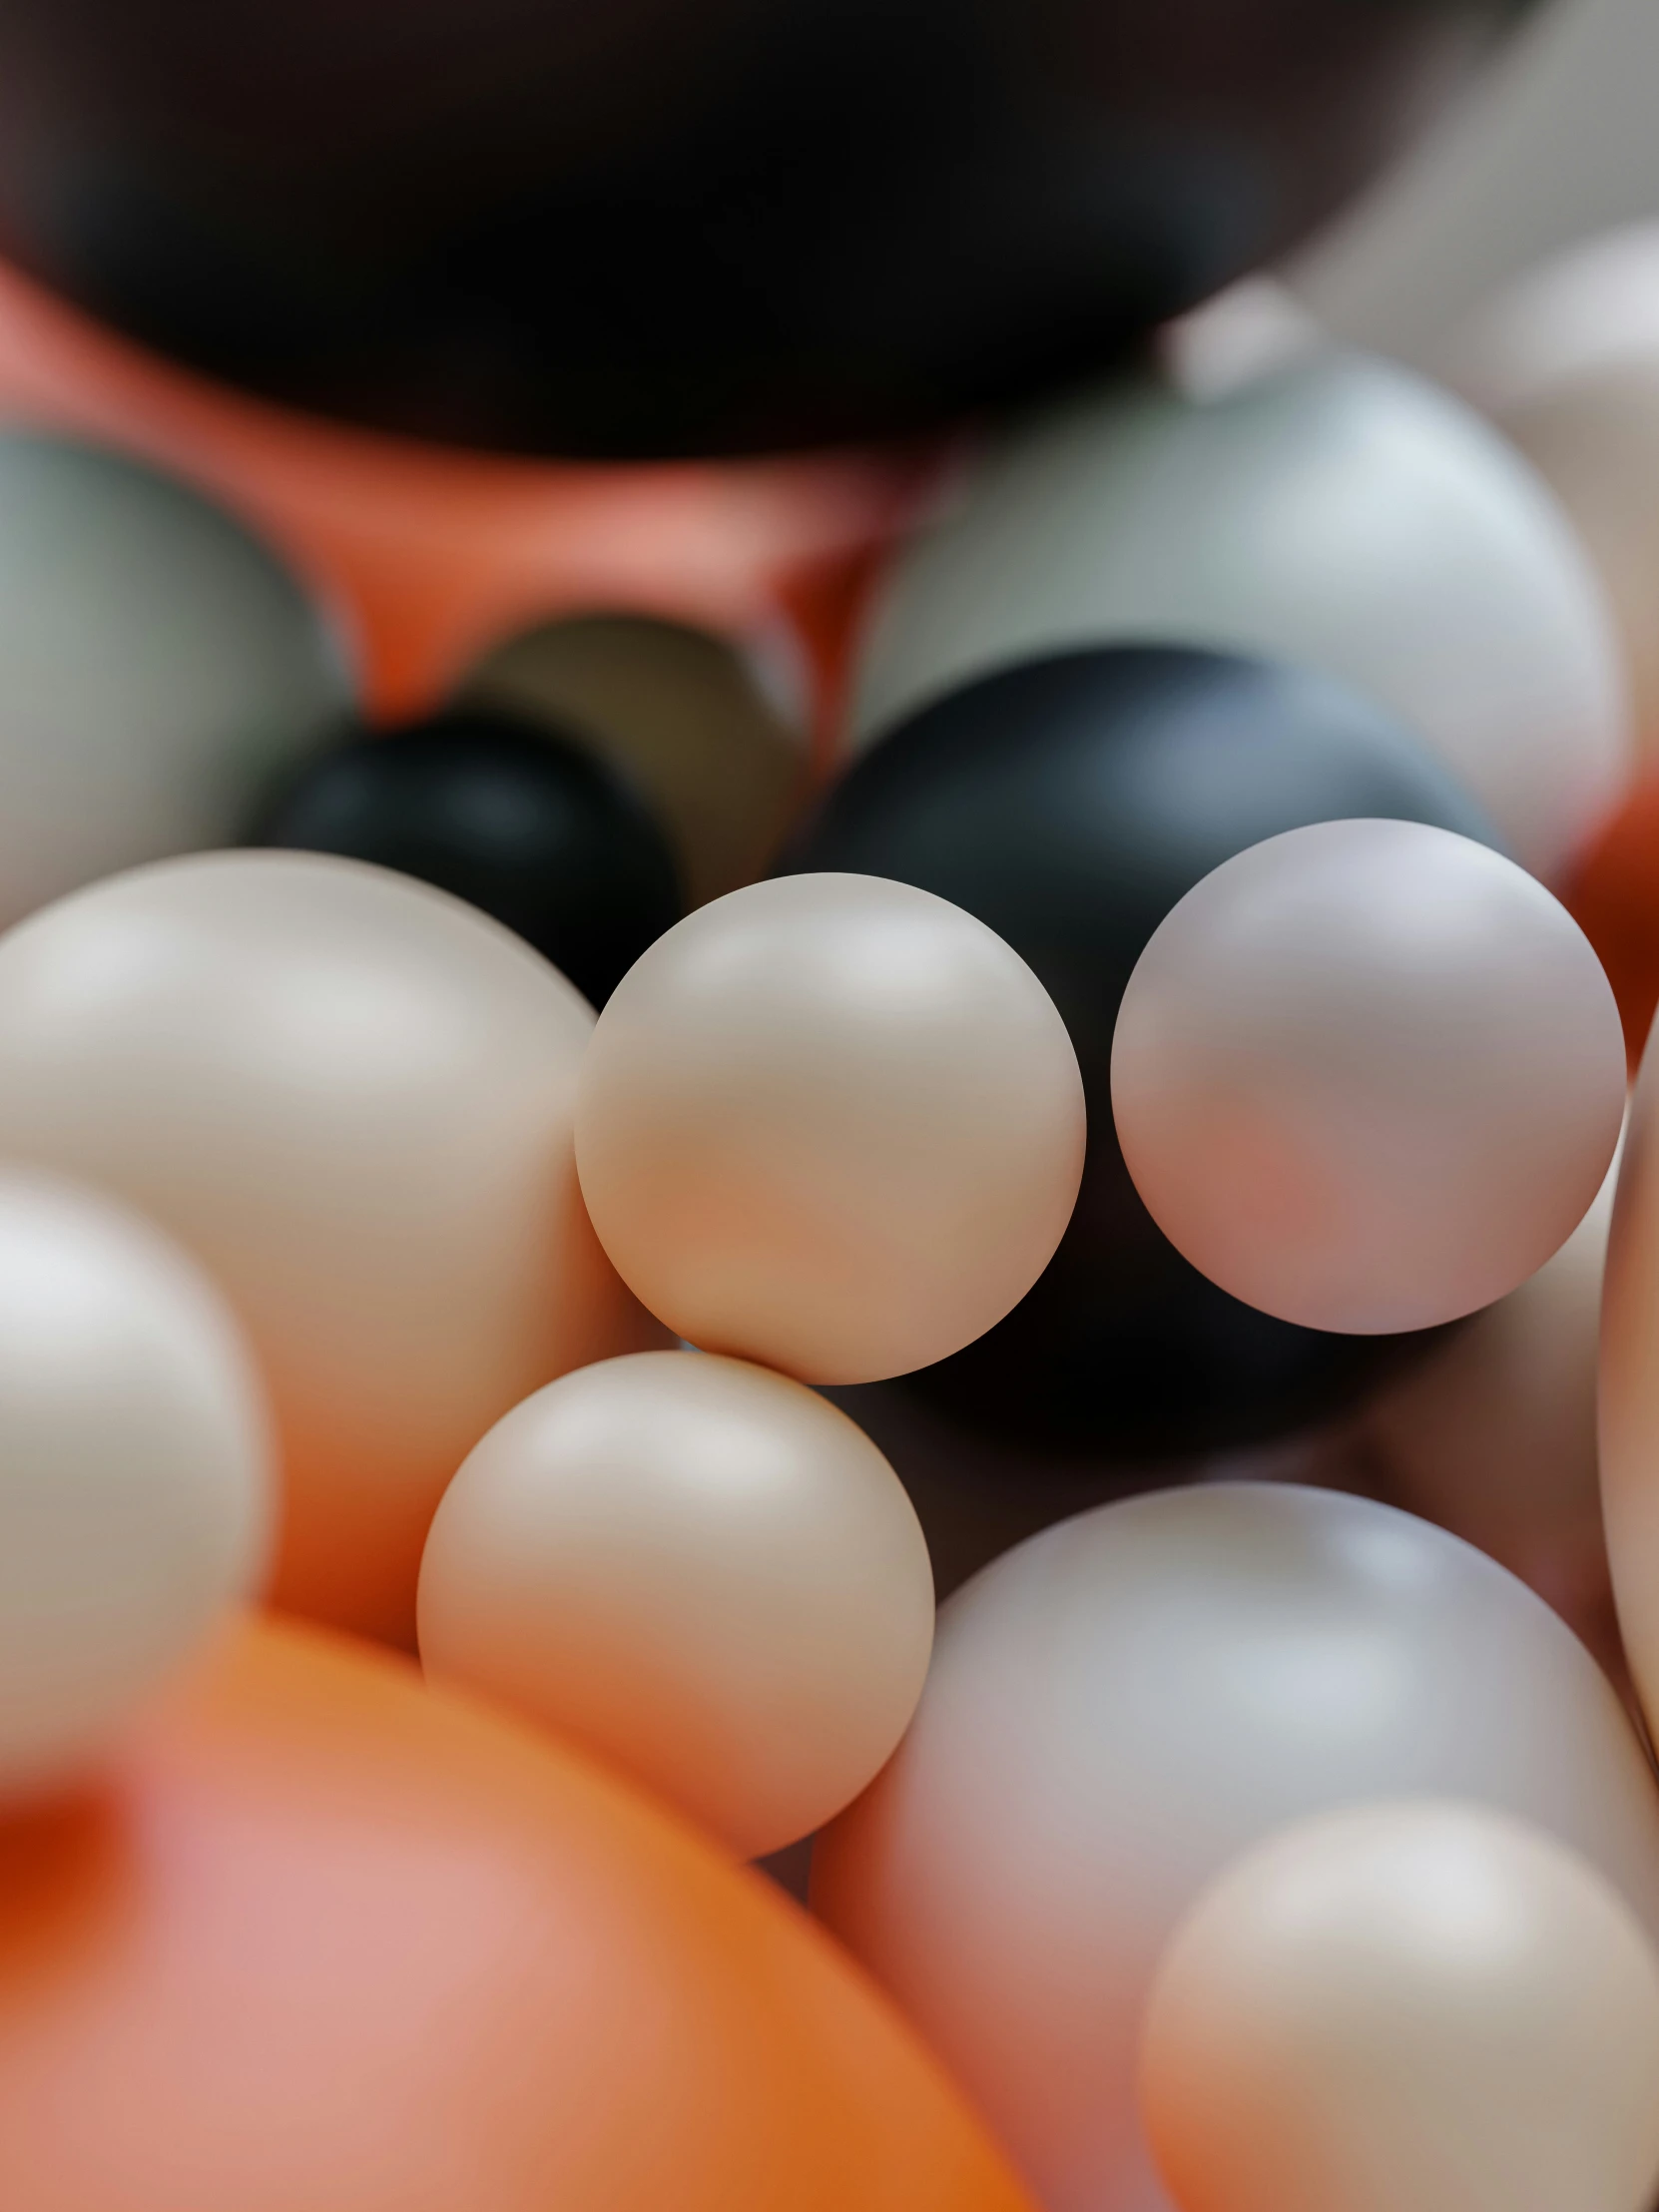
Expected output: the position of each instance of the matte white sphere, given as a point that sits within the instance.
(1417, 2004)
(700, 1569)
(136, 1479)
(157, 666)
(1340, 513)
(1123, 1704)
(1368, 1076)
(352, 1097)
(833, 1124)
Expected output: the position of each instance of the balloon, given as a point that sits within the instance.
(330, 1941)
(679, 230)
(1069, 804)
(680, 712)
(699, 1569)
(522, 823)
(350, 1097)
(135, 1486)
(156, 666)
(830, 1124)
(1614, 895)
(1122, 1705)
(1628, 1394)
(1495, 1435)
(1338, 514)
(1368, 1075)
(1407, 2004)
(1566, 363)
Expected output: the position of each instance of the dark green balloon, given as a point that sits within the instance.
(1069, 803)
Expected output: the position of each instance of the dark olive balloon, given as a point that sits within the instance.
(1069, 803)
(522, 823)
(651, 227)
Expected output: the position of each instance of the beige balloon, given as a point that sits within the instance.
(1368, 1076)
(683, 715)
(350, 1096)
(137, 1481)
(1413, 2007)
(1567, 364)
(833, 1124)
(700, 1569)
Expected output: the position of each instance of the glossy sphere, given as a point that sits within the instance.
(1566, 363)
(1493, 1435)
(585, 232)
(1126, 1702)
(1410, 2005)
(351, 1098)
(522, 823)
(1614, 895)
(157, 665)
(1069, 804)
(683, 714)
(482, 1971)
(830, 1124)
(136, 1479)
(701, 1570)
(1338, 514)
(1368, 1075)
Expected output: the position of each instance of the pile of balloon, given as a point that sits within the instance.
(829, 1295)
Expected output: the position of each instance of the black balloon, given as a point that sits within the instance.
(526, 825)
(1069, 803)
(645, 226)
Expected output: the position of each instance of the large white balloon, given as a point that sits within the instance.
(1336, 512)
(1415, 2005)
(1120, 1706)
(157, 666)
(136, 1491)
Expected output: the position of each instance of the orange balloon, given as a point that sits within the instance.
(330, 1942)
(1614, 898)
(435, 555)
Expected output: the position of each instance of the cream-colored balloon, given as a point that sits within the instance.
(352, 1097)
(700, 1569)
(1567, 364)
(1412, 2006)
(833, 1124)
(1120, 1706)
(1493, 1434)
(1339, 513)
(681, 712)
(136, 1469)
(1368, 1076)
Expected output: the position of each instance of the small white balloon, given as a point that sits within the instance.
(701, 1570)
(157, 666)
(1122, 1705)
(136, 1486)
(1407, 2006)
(1368, 1076)
(1339, 513)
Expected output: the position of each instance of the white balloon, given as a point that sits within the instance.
(1415, 2005)
(1337, 512)
(136, 1489)
(1122, 1705)
(157, 665)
